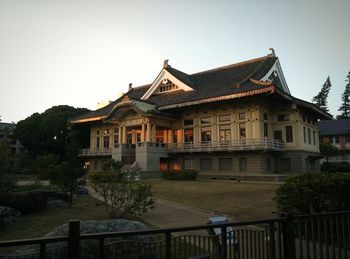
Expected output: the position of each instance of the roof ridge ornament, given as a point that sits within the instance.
(272, 52)
(166, 63)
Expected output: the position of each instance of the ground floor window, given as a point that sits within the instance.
(225, 164)
(205, 164)
(189, 164)
(243, 164)
(174, 165)
(268, 164)
(285, 164)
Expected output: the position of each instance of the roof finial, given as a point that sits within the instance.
(272, 52)
(166, 63)
(130, 86)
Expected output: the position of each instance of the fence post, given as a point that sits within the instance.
(73, 239)
(288, 237)
(168, 245)
(271, 241)
(223, 243)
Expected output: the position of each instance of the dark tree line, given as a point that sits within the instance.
(320, 99)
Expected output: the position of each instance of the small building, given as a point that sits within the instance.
(235, 120)
(336, 133)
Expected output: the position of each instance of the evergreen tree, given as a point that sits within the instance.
(321, 98)
(345, 98)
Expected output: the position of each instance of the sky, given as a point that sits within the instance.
(81, 52)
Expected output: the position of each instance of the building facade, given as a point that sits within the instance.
(336, 133)
(6, 134)
(235, 120)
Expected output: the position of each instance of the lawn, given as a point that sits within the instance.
(242, 201)
(39, 224)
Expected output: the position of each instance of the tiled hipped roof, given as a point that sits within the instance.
(213, 83)
(334, 127)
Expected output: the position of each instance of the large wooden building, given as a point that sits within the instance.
(235, 120)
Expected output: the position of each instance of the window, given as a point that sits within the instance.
(268, 165)
(97, 142)
(116, 131)
(167, 87)
(106, 142)
(129, 137)
(175, 136)
(205, 164)
(309, 135)
(97, 132)
(106, 132)
(277, 134)
(115, 140)
(285, 164)
(188, 122)
(206, 134)
(224, 118)
(304, 131)
(314, 137)
(188, 135)
(304, 118)
(266, 130)
(289, 134)
(160, 136)
(241, 116)
(242, 131)
(189, 164)
(225, 133)
(206, 120)
(265, 116)
(225, 164)
(243, 164)
(283, 117)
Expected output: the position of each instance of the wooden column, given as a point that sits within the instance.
(120, 135)
(148, 132)
(124, 135)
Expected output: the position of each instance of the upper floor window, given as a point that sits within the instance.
(265, 116)
(242, 131)
(206, 134)
(167, 86)
(106, 142)
(188, 135)
(283, 117)
(241, 116)
(289, 134)
(206, 120)
(304, 133)
(97, 132)
(224, 118)
(188, 122)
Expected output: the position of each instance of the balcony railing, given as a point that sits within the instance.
(96, 152)
(233, 145)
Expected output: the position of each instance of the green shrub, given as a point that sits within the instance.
(180, 175)
(333, 167)
(26, 202)
(314, 193)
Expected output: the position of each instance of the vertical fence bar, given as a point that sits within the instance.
(272, 247)
(101, 247)
(320, 245)
(168, 245)
(313, 238)
(224, 242)
(301, 251)
(326, 236)
(73, 239)
(332, 236)
(338, 241)
(42, 254)
(288, 238)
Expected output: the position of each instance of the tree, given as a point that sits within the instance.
(47, 133)
(321, 98)
(328, 150)
(122, 194)
(345, 106)
(7, 180)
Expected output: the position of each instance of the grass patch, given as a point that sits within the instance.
(242, 201)
(39, 224)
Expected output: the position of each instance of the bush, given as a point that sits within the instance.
(26, 202)
(180, 175)
(314, 193)
(7, 182)
(123, 196)
(333, 167)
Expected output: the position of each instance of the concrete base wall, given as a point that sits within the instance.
(148, 156)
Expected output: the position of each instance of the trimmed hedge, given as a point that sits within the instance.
(314, 193)
(333, 167)
(180, 175)
(26, 202)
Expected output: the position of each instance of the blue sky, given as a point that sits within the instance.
(82, 52)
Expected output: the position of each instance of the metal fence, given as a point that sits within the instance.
(321, 236)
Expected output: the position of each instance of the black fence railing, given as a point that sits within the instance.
(321, 236)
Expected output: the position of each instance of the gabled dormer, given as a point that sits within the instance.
(168, 80)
